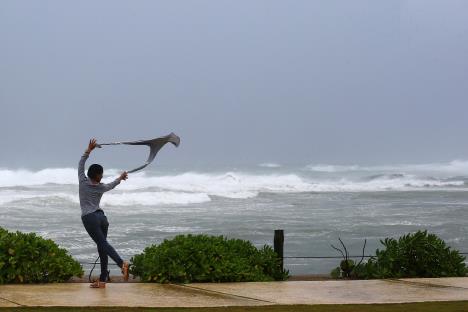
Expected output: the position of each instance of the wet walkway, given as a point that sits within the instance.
(236, 294)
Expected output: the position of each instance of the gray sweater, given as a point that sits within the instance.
(91, 193)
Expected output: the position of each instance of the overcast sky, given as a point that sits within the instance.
(299, 82)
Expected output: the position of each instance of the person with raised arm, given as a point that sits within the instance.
(93, 217)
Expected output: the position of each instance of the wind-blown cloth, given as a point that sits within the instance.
(155, 145)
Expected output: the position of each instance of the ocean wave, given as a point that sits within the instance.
(384, 184)
(153, 198)
(109, 199)
(8, 196)
(456, 167)
(244, 185)
(192, 187)
(269, 165)
(23, 177)
(392, 176)
(230, 184)
(333, 168)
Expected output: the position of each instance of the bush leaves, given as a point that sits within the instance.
(204, 258)
(28, 258)
(418, 254)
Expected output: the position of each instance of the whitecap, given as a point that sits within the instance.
(153, 198)
(269, 165)
(455, 167)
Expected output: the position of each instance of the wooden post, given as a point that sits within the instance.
(278, 244)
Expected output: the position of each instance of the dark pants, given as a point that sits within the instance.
(96, 225)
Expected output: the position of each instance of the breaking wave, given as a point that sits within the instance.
(153, 198)
(146, 188)
(269, 165)
(23, 177)
(110, 199)
(456, 167)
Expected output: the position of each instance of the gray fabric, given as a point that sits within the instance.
(89, 192)
(155, 145)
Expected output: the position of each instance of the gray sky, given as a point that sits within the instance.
(366, 82)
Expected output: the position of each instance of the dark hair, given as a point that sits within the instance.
(94, 170)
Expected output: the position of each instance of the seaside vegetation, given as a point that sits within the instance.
(204, 258)
(418, 254)
(29, 258)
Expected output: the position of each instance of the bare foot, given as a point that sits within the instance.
(125, 273)
(98, 284)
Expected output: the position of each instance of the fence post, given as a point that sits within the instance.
(278, 244)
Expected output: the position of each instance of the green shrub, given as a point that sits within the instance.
(336, 273)
(28, 258)
(414, 255)
(203, 258)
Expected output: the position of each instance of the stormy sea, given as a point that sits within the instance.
(314, 204)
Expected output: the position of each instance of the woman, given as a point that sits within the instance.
(93, 217)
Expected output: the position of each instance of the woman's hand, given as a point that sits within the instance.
(123, 176)
(92, 145)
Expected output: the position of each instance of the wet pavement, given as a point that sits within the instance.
(236, 294)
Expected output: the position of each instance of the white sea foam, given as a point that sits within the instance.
(406, 183)
(143, 188)
(456, 167)
(245, 185)
(110, 199)
(332, 168)
(9, 196)
(269, 165)
(28, 178)
(153, 198)
(230, 184)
